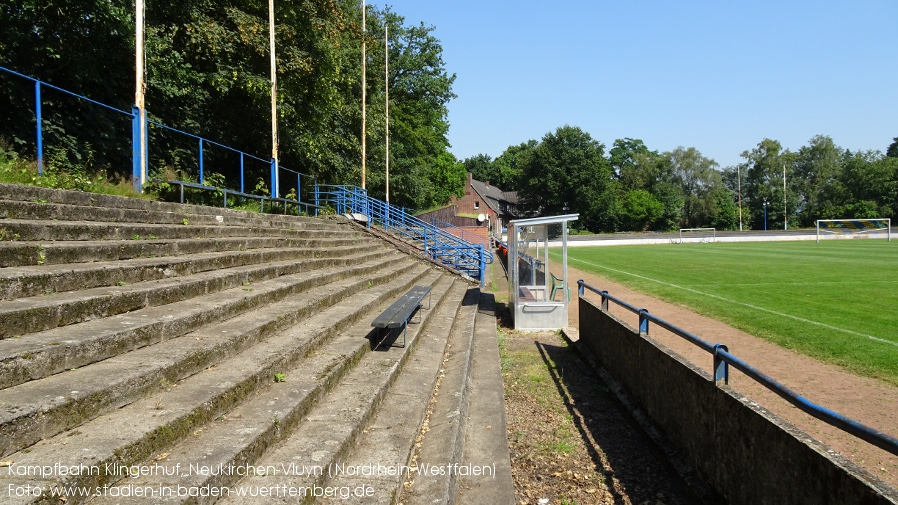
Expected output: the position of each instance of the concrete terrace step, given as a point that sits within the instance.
(46, 211)
(328, 432)
(36, 355)
(15, 254)
(230, 413)
(44, 196)
(152, 336)
(29, 230)
(185, 344)
(390, 438)
(461, 450)
(25, 281)
(42, 312)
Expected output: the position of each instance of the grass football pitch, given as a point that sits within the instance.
(836, 301)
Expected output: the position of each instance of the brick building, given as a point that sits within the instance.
(483, 211)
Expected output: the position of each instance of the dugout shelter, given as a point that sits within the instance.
(538, 292)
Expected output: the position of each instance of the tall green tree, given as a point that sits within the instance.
(568, 172)
(871, 182)
(510, 164)
(701, 184)
(892, 151)
(481, 167)
(817, 169)
(762, 180)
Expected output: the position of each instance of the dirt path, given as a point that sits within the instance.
(570, 440)
(869, 401)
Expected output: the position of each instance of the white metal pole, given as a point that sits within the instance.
(364, 90)
(274, 113)
(140, 87)
(785, 216)
(387, 88)
(739, 184)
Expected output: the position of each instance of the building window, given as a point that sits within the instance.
(476, 204)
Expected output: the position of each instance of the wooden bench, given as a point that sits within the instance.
(401, 311)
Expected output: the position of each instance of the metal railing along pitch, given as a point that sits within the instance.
(722, 359)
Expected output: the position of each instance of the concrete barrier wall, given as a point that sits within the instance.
(744, 452)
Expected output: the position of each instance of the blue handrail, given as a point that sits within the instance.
(440, 245)
(722, 358)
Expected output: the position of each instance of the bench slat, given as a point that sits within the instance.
(400, 311)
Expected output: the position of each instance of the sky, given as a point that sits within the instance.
(715, 75)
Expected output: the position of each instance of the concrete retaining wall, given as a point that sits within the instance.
(744, 452)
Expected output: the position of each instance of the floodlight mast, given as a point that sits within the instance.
(276, 190)
(364, 91)
(140, 88)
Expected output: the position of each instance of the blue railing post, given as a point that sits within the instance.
(39, 126)
(481, 264)
(317, 197)
(721, 369)
(241, 173)
(202, 178)
(298, 190)
(135, 148)
(604, 300)
(274, 178)
(643, 321)
(580, 289)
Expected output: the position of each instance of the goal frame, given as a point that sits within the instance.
(700, 239)
(859, 231)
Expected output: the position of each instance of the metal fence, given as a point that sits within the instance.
(166, 145)
(438, 244)
(722, 359)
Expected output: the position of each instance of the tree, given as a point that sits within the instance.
(700, 184)
(871, 182)
(892, 151)
(567, 172)
(481, 167)
(509, 165)
(762, 179)
(639, 210)
(419, 90)
(817, 169)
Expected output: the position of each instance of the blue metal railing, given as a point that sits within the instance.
(273, 172)
(722, 358)
(438, 244)
(38, 111)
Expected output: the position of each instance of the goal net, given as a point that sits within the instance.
(854, 228)
(697, 235)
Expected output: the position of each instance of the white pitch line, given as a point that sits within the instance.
(755, 307)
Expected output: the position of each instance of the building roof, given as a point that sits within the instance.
(493, 196)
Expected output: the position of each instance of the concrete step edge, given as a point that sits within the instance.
(23, 282)
(44, 211)
(391, 441)
(327, 433)
(486, 433)
(45, 231)
(22, 193)
(46, 407)
(47, 311)
(269, 417)
(40, 254)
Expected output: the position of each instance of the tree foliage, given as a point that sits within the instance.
(208, 67)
